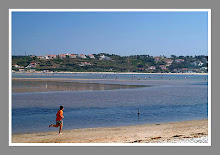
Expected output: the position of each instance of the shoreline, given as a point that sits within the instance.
(169, 132)
(127, 73)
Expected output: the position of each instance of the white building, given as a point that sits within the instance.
(103, 57)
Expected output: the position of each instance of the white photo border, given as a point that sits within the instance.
(110, 10)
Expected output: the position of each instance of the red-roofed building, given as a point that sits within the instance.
(32, 65)
(52, 56)
(40, 57)
(62, 56)
(72, 56)
(82, 56)
(16, 66)
(141, 69)
(168, 62)
(157, 59)
(91, 56)
(184, 69)
(163, 67)
(179, 60)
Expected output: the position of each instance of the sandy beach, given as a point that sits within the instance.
(148, 133)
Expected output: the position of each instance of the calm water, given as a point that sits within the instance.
(172, 98)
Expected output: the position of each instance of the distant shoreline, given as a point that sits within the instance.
(129, 73)
(148, 133)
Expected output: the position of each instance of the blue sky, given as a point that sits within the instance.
(122, 33)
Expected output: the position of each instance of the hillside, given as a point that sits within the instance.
(113, 63)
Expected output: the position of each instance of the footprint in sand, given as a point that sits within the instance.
(155, 138)
(177, 135)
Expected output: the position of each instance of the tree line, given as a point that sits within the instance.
(117, 63)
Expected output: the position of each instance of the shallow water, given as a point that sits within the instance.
(169, 100)
(21, 86)
(112, 76)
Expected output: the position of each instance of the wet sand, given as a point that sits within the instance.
(148, 133)
(21, 85)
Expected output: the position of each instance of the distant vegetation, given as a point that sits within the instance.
(116, 63)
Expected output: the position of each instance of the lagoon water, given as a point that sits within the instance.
(166, 98)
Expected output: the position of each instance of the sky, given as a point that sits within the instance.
(120, 33)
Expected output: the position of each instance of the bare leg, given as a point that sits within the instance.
(61, 126)
(51, 125)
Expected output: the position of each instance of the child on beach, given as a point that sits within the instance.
(59, 121)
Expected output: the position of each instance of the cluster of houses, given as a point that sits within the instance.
(83, 56)
(163, 67)
(50, 56)
(62, 56)
(31, 66)
(168, 62)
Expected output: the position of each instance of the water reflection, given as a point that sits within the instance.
(21, 86)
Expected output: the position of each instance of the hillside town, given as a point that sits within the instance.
(112, 63)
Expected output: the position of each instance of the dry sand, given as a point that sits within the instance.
(148, 133)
